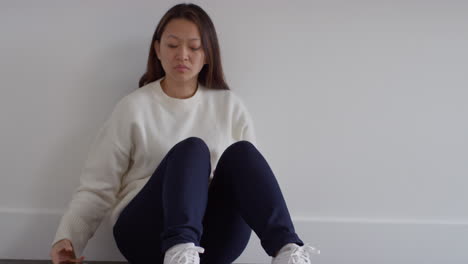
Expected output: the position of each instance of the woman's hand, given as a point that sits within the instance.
(62, 252)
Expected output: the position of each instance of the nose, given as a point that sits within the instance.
(183, 54)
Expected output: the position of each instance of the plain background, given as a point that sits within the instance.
(360, 108)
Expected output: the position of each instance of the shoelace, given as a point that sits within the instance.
(189, 255)
(302, 254)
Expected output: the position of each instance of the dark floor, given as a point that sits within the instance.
(26, 261)
(16, 261)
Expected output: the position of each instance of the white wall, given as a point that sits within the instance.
(360, 108)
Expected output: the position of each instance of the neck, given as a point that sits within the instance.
(180, 90)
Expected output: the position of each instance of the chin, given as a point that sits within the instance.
(182, 77)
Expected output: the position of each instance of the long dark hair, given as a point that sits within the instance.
(211, 75)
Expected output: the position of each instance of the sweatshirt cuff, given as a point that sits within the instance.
(74, 229)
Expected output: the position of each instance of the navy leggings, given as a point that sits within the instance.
(178, 205)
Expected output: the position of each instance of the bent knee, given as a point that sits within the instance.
(194, 143)
(242, 145)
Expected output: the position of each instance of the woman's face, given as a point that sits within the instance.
(180, 51)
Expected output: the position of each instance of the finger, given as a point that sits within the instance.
(68, 245)
(77, 260)
(69, 260)
(65, 251)
(64, 258)
(55, 259)
(67, 256)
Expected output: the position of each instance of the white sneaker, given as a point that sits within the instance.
(186, 253)
(294, 254)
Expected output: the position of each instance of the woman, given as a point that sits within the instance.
(151, 164)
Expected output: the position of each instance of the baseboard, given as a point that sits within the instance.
(27, 234)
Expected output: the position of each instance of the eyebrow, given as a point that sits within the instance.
(179, 38)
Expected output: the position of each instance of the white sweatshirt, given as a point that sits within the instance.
(142, 128)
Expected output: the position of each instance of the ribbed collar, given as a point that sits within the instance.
(176, 103)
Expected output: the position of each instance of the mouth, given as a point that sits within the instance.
(181, 67)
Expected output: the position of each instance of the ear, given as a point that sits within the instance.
(157, 48)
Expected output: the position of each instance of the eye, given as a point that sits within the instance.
(174, 46)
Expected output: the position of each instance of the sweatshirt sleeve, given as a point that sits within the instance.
(100, 180)
(243, 124)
